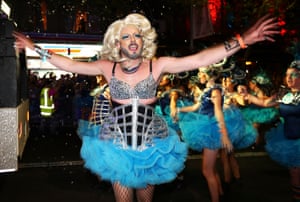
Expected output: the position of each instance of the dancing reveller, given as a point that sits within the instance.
(232, 100)
(100, 110)
(190, 96)
(208, 127)
(283, 141)
(262, 118)
(135, 150)
(172, 92)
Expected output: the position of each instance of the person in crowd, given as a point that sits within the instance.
(101, 108)
(283, 141)
(164, 90)
(229, 162)
(101, 104)
(135, 150)
(231, 79)
(172, 92)
(188, 94)
(34, 99)
(260, 85)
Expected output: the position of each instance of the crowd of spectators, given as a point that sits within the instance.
(71, 97)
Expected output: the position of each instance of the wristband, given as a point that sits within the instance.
(241, 41)
(44, 53)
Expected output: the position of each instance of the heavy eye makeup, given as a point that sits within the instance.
(127, 36)
(294, 75)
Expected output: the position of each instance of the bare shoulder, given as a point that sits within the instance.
(104, 67)
(164, 63)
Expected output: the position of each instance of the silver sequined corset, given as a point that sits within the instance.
(145, 89)
(133, 126)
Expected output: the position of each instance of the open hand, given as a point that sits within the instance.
(23, 41)
(263, 30)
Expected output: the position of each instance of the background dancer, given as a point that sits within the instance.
(262, 118)
(283, 141)
(231, 79)
(210, 127)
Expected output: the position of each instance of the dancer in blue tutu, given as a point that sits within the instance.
(262, 118)
(173, 92)
(100, 110)
(209, 127)
(283, 141)
(232, 77)
(188, 94)
(135, 149)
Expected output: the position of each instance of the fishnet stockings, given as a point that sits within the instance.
(145, 195)
(125, 194)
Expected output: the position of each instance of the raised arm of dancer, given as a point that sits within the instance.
(263, 102)
(263, 30)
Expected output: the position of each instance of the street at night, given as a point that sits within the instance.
(51, 170)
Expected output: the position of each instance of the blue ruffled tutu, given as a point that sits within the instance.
(257, 114)
(136, 169)
(248, 136)
(202, 131)
(282, 150)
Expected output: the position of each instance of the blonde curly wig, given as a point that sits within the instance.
(112, 36)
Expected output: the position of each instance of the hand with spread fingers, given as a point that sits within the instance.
(264, 29)
(23, 41)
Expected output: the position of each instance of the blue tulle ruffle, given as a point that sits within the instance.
(201, 131)
(137, 169)
(166, 115)
(85, 128)
(282, 150)
(257, 114)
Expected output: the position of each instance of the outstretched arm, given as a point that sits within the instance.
(263, 30)
(61, 62)
(267, 102)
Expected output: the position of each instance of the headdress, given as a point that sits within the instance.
(182, 75)
(261, 79)
(230, 70)
(213, 70)
(194, 80)
(235, 73)
(295, 64)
